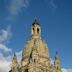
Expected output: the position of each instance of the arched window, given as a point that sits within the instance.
(33, 30)
(38, 30)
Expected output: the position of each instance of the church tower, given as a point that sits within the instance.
(35, 55)
(14, 66)
(57, 65)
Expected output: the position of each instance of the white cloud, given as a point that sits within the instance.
(5, 62)
(67, 70)
(53, 6)
(19, 55)
(5, 48)
(52, 61)
(17, 5)
(5, 34)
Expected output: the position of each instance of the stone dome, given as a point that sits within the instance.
(39, 45)
(35, 45)
(35, 48)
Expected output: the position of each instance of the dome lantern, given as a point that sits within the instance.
(35, 29)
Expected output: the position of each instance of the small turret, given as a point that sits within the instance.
(14, 66)
(57, 65)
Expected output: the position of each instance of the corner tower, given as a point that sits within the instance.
(57, 65)
(14, 65)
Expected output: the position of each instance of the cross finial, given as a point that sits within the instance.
(35, 21)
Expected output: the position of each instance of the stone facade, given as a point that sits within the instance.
(35, 55)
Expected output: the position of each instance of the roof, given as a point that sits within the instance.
(35, 22)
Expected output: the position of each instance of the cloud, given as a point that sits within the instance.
(5, 48)
(19, 55)
(52, 61)
(17, 5)
(52, 5)
(5, 62)
(5, 34)
(67, 70)
(15, 8)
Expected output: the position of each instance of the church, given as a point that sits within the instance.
(35, 55)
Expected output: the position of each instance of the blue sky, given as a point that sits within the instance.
(55, 18)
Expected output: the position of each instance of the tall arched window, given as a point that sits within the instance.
(33, 30)
(38, 30)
